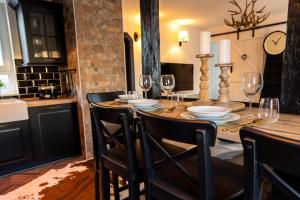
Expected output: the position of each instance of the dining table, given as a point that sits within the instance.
(228, 144)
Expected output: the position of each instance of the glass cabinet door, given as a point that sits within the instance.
(38, 35)
(36, 23)
(53, 36)
(39, 47)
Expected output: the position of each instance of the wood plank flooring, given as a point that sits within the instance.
(77, 186)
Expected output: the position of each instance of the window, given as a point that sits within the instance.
(1, 56)
(7, 66)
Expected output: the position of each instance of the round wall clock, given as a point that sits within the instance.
(275, 43)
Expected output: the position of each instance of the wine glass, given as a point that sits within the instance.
(167, 84)
(252, 83)
(177, 100)
(145, 83)
(269, 109)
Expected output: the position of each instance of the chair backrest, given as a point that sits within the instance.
(101, 97)
(270, 156)
(154, 128)
(123, 137)
(96, 98)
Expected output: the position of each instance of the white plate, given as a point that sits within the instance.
(230, 117)
(208, 111)
(127, 96)
(150, 109)
(143, 103)
(121, 100)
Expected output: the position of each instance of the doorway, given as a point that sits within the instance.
(129, 62)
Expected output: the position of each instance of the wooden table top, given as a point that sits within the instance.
(287, 125)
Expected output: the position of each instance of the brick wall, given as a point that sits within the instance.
(97, 53)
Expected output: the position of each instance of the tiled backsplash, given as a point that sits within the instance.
(30, 78)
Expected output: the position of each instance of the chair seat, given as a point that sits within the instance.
(227, 179)
(119, 155)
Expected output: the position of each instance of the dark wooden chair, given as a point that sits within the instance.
(96, 98)
(102, 96)
(121, 159)
(272, 158)
(189, 174)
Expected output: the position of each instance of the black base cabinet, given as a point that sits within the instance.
(15, 146)
(54, 132)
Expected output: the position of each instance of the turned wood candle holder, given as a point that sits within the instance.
(224, 82)
(204, 79)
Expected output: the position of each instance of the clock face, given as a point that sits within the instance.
(275, 43)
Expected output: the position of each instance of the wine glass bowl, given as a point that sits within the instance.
(252, 84)
(145, 82)
(167, 83)
(269, 109)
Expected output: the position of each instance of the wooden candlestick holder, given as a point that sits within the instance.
(204, 79)
(224, 82)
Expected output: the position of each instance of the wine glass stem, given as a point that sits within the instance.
(169, 98)
(250, 105)
(145, 94)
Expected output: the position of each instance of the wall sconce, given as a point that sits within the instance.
(183, 37)
(136, 36)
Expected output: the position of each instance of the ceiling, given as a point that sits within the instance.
(201, 13)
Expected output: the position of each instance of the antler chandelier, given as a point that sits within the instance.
(249, 17)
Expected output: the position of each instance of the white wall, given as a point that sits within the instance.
(251, 46)
(171, 52)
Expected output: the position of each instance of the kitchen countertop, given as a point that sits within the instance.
(36, 102)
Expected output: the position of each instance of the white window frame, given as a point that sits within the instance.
(7, 52)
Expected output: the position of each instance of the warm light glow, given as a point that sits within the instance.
(176, 25)
(161, 14)
(183, 22)
(138, 17)
(175, 51)
(183, 36)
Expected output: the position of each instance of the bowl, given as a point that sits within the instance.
(142, 103)
(208, 111)
(127, 96)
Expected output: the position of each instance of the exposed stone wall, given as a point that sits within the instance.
(100, 48)
(95, 46)
(71, 46)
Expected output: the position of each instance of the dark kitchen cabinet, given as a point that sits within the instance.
(41, 30)
(55, 132)
(15, 146)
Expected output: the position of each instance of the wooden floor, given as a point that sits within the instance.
(77, 186)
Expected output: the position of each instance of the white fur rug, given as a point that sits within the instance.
(31, 190)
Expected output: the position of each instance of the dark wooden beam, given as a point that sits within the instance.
(249, 29)
(290, 89)
(151, 43)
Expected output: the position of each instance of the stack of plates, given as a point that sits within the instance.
(219, 115)
(145, 104)
(124, 98)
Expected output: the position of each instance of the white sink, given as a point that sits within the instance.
(13, 110)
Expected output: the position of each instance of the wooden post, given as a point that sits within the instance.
(151, 43)
(290, 81)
